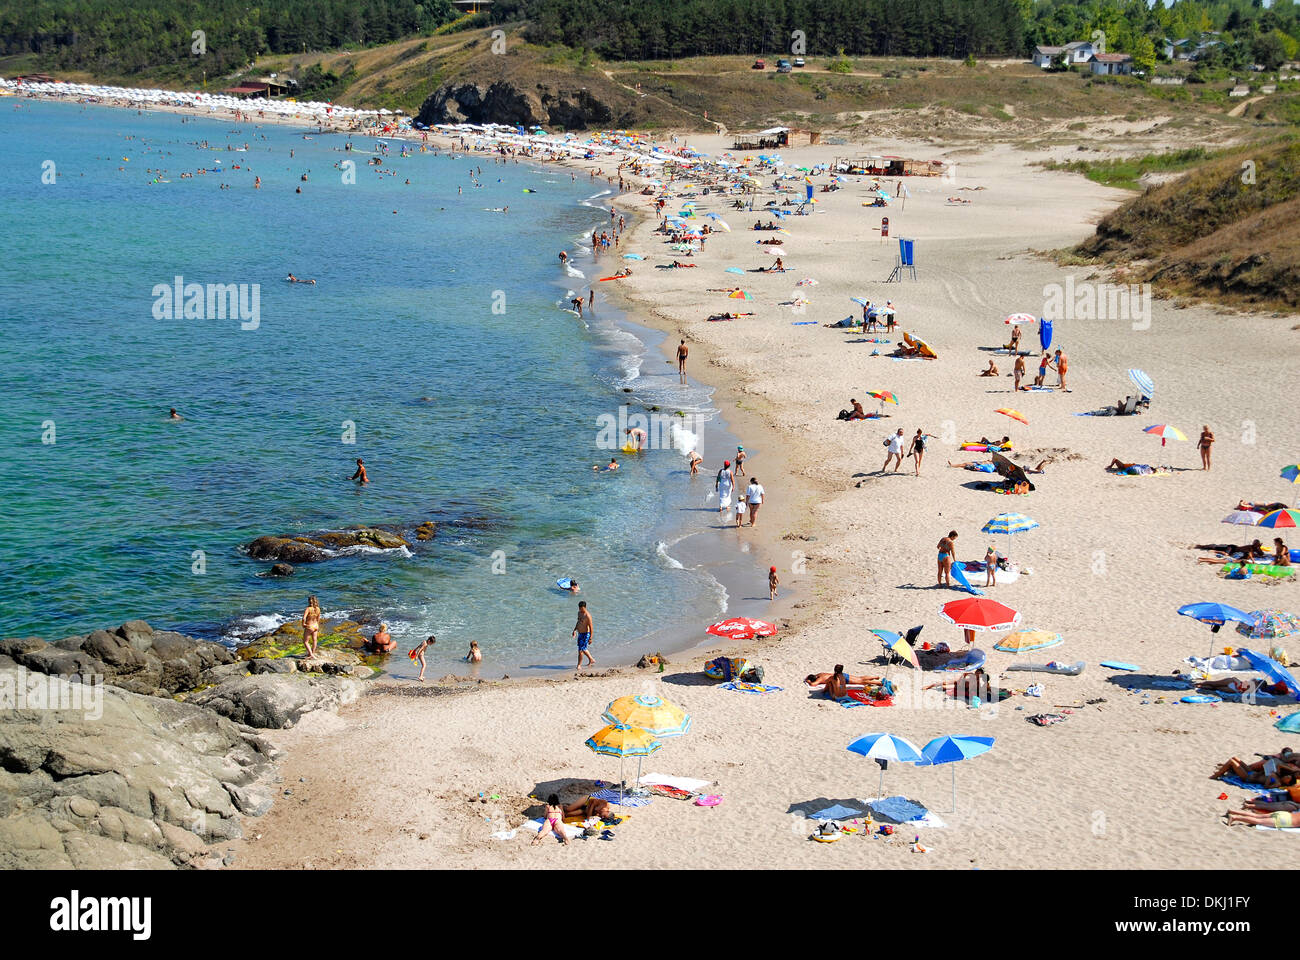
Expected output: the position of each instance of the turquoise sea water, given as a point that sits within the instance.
(104, 523)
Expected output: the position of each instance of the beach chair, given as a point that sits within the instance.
(905, 261)
(910, 636)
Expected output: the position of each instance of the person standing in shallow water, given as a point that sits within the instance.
(360, 476)
(582, 631)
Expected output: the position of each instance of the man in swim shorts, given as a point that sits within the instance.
(682, 351)
(582, 631)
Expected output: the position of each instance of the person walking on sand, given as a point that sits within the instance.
(895, 451)
(1204, 444)
(754, 497)
(417, 654)
(360, 476)
(947, 548)
(311, 627)
(773, 581)
(682, 351)
(582, 631)
(741, 457)
(1018, 371)
(723, 483)
(917, 450)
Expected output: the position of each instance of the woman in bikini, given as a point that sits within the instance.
(311, 627)
(552, 820)
(1204, 444)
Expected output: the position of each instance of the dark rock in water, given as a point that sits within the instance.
(315, 547)
(426, 531)
(280, 570)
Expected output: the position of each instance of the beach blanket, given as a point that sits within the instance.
(529, 829)
(740, 686)
(1045, 719)
(897, 810)
(628, 800)
(681, 783)
(859, 698)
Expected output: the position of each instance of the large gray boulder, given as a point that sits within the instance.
(276, 700)
(122, 780)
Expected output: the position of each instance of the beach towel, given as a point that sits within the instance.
(1045, 719)
(628, 799)
(897, 810)
(859, 698)
(740, 686)
(529, 829)
(681, 783)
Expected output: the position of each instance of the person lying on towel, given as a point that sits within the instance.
(836, 684)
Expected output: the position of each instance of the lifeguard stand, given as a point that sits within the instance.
(906, 260)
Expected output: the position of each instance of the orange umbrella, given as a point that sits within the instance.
(1013, 414)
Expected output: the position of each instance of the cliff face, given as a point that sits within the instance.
(504, 102)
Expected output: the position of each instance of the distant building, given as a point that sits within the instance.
(1240, 90)
(1045, 56)
(261, 89)
(1077, 51)
(1111, 64)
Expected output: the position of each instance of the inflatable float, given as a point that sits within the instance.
(959, 575)
(1063, 669)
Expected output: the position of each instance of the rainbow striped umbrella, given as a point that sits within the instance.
(1280, 518)
(1165, 432)
(1292, 473)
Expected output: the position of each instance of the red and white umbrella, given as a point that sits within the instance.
(1019, 318)
(980, 613)
(742, 628)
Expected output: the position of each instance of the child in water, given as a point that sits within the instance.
(474, 655)
(418, 654)
(773, 581)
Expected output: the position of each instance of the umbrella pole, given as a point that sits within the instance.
(954, 788)
(880, 786)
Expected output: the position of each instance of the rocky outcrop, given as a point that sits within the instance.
(315, 547)
(275, 699)
(504, 102)
(96, 777)
(133, 656)
(341, 646)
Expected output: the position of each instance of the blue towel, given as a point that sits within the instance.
(752, 688)
(897, 809)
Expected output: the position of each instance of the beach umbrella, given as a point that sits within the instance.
(734, 270)
(722, 225)
(1010, 524)
(1289, 723)
(622, 741)
(1244, 518)
(1013, 414)
(1016, 318)
(1270, 625)
(1271, 669)
(1280, 518)
(898, 645)
(739, 295)
(1216, 614)
(950, 750)
(655, 715)
(741, 628)
(884, 396)
(1165, 432)
(980, 613)
(884, 746)
(1143, 382)
(1023, 641)
(861, 301)
(1292, 473)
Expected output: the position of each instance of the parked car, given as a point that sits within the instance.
(759, 65)
(783, 66)
(798, 61)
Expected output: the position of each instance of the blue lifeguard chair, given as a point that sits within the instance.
(906, 260)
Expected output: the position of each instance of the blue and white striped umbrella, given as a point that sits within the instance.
(885, 746)
(1143, 383)
(1009, 523)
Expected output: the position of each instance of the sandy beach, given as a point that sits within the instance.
(417, 776)
(394, 779)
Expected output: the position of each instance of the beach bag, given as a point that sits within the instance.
(753, 675)
(843, 415)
